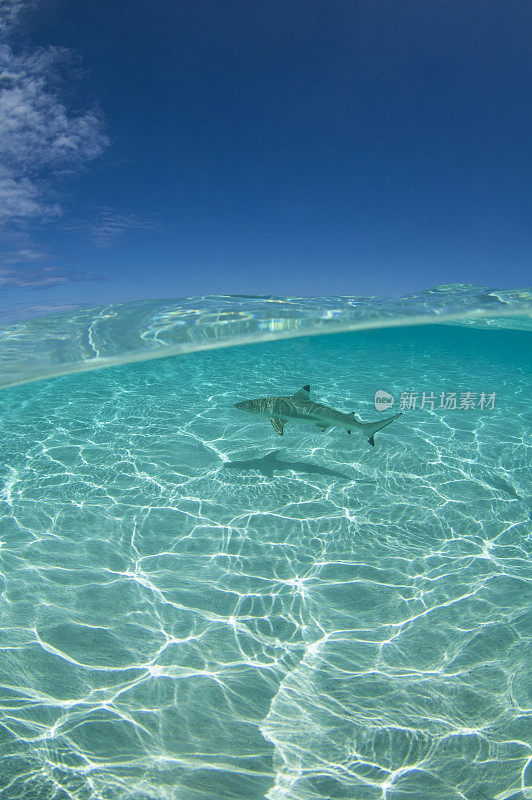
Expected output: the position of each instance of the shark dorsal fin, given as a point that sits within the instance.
(303, 394)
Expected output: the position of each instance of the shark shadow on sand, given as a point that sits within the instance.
(269, 464)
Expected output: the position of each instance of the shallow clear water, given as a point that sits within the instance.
(194, 607)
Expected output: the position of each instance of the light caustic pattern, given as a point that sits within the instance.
(193, 607)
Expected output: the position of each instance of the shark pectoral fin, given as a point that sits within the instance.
(371, 440)
(322, 427)
(278, 424)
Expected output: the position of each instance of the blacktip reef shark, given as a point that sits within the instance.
(299, 408)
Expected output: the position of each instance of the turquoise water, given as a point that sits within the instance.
(194, 607)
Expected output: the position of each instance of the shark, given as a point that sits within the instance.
(299, 408)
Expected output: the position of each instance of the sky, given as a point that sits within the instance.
(155, 149)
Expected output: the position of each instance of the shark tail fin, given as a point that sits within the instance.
(371, 428)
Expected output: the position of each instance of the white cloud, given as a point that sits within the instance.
(9, 10)
(110, 226)
(41, 277)
(40, 138)
(19, 196)
(22, 255)
(34, 278)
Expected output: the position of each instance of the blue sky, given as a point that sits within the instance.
(161, 149)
